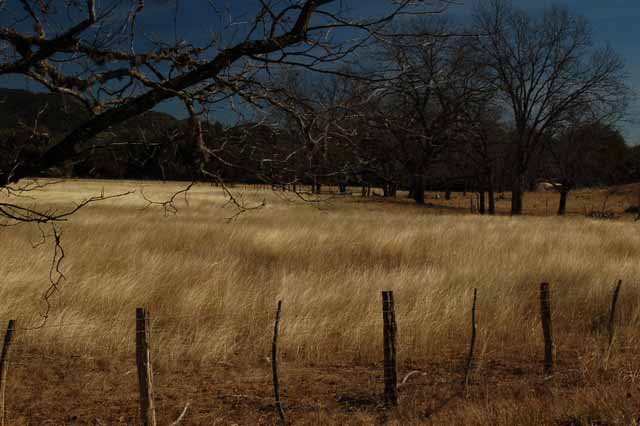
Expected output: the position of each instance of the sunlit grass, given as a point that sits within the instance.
(211, 285)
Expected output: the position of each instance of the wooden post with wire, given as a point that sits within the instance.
(145, 374)
(612, 316)
(472, 345)
(4, 359)
(389, 334)
(274, 366)
(545, 314)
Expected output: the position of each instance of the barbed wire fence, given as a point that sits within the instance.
(391, 383)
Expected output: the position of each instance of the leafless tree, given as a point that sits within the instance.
(95, 58)
(546, 68)
(422, 113)
(482, 150)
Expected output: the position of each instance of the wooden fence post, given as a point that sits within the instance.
(612, 316)
(389, 332)
(4, 358)
(472, 345)
(274, 366)
(545, 313)
(145, 374)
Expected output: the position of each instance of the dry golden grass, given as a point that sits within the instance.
(211, 288)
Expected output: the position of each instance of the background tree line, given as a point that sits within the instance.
(498, 104)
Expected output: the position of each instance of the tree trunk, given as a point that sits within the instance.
(562, 207)
(393, 189)
(481, 204)
(492, 199)
(516, 196)
(447, 195)
(343, 188)
(418, 189)
(492, 202)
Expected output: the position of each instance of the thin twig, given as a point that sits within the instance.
(467, 373)
(181, 416)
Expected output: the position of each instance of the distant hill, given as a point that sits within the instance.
(55, 113)
(153, 145)
(139, 147)
(58, 114)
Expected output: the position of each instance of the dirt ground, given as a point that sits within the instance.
(59, 390)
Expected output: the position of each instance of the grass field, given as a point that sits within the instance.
(211, 287)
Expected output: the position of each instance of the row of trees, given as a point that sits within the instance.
(505, 102)
(406, 100)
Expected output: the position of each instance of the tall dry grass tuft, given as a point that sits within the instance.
(211, 286)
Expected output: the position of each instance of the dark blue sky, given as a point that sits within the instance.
(615, 22)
